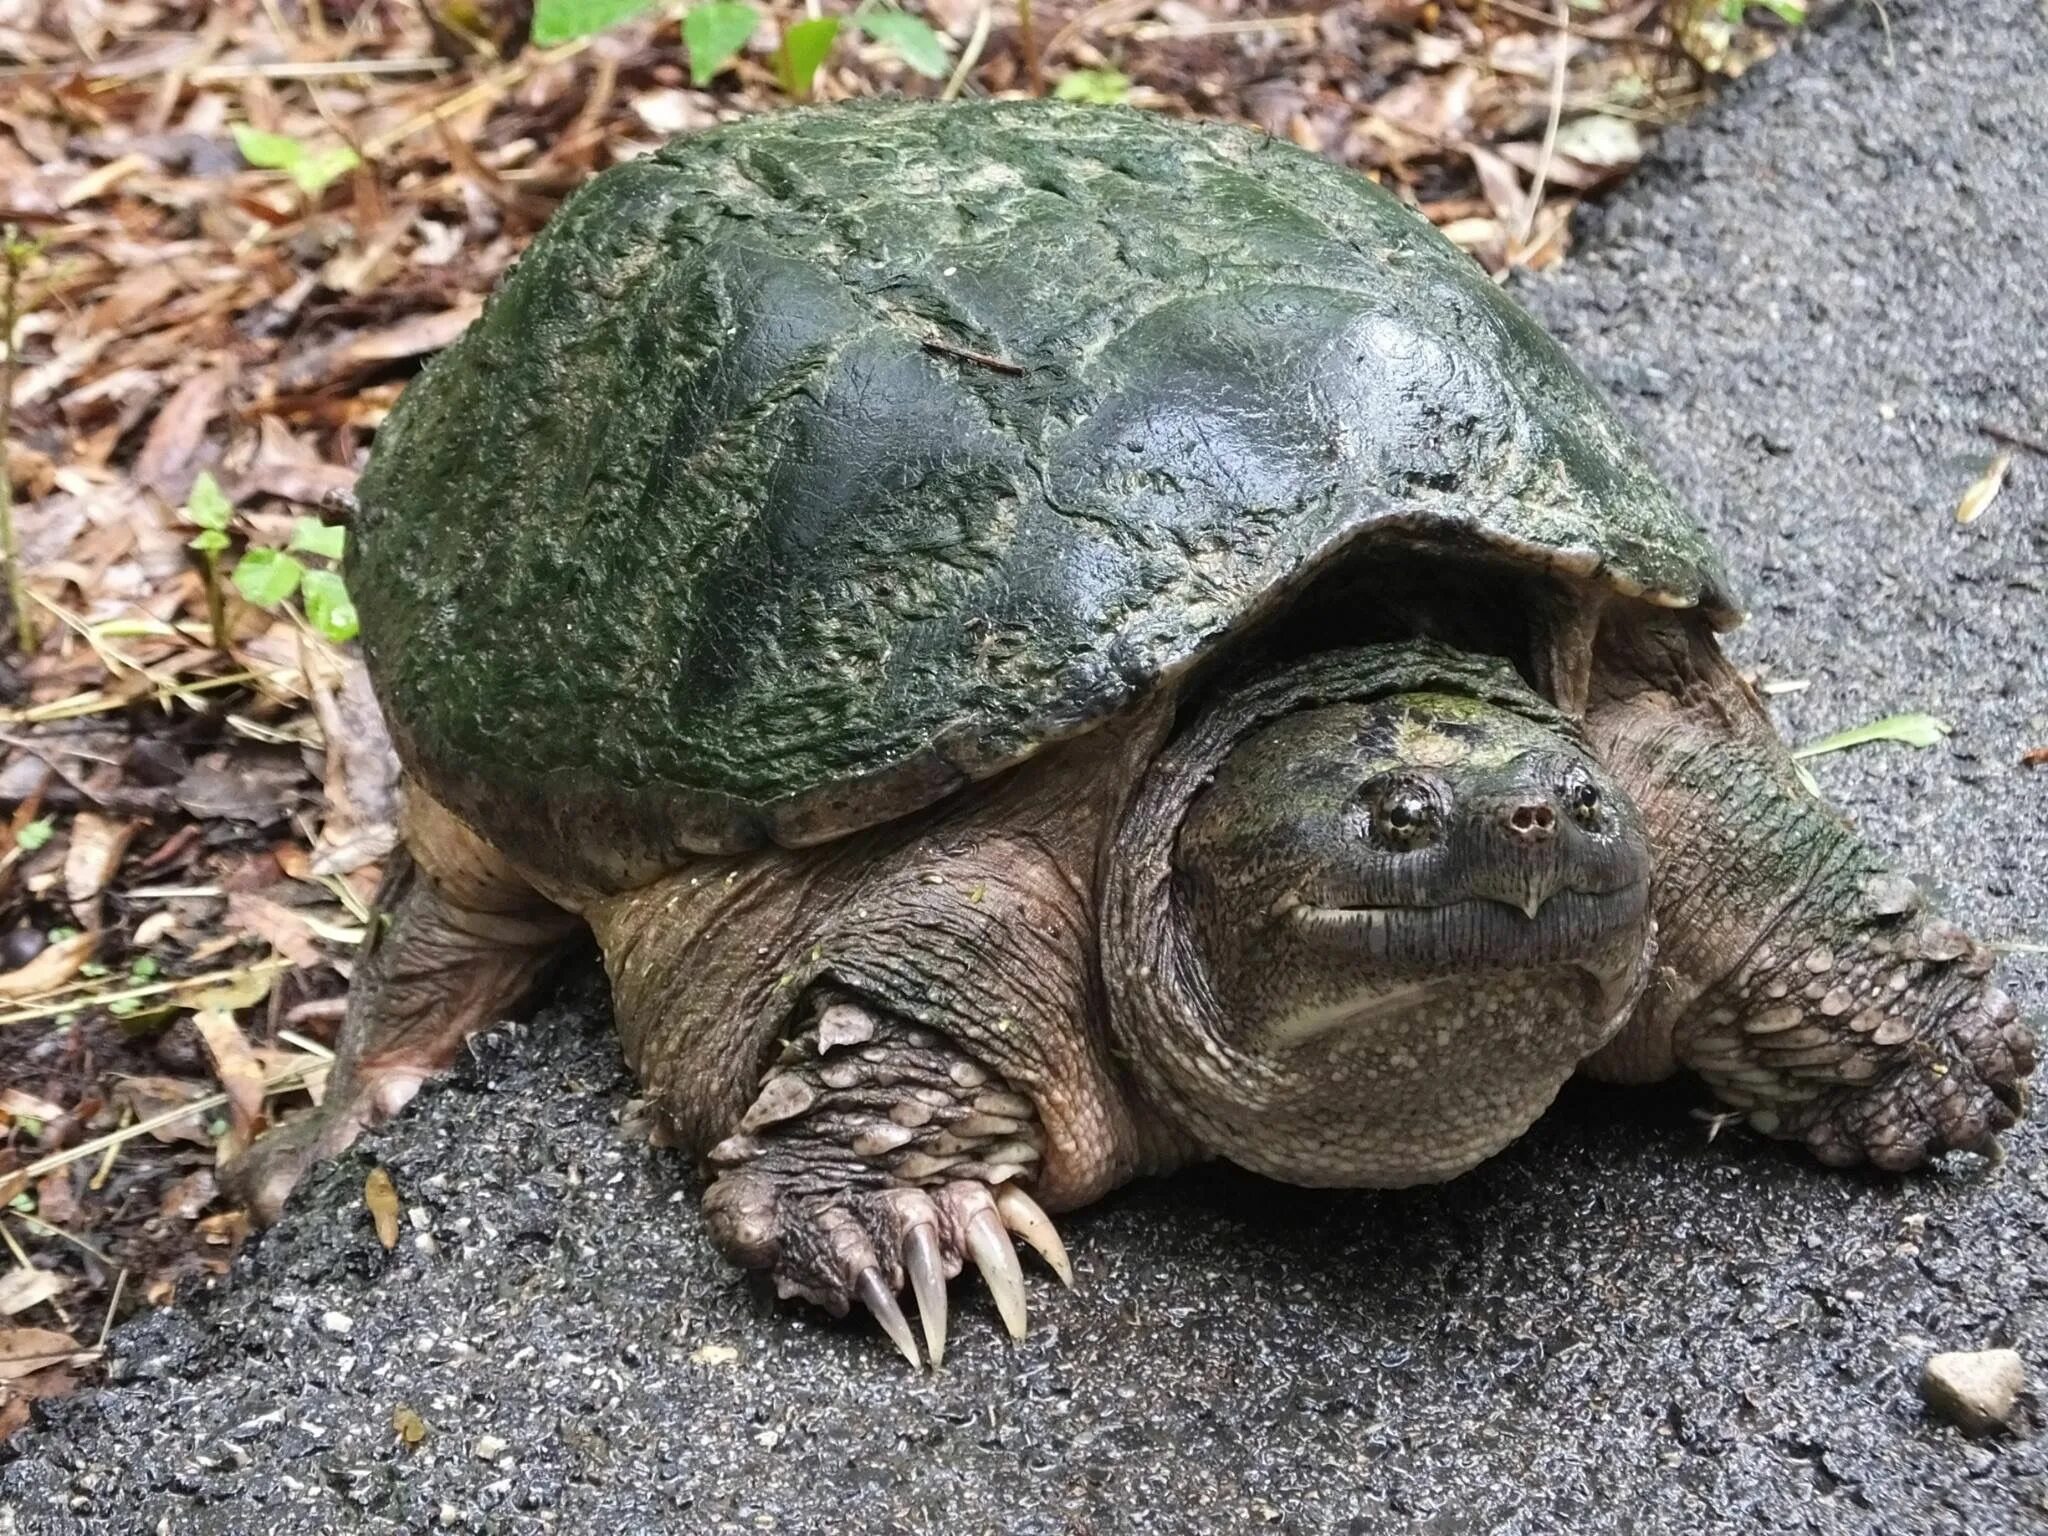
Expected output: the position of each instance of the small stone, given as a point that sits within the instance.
(1974, 1389)
(337, 1323)
(488, 1448)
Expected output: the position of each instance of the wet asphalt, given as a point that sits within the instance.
(1812, 303)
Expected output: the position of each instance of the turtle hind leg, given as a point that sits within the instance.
(1799, 976)
(457, 939)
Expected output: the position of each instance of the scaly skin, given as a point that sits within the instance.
(895, 1051)
(1825, 1003)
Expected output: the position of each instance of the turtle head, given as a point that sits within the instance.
(1403, 917)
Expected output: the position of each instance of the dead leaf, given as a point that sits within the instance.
(381, 1196)
(56, 1199)
(185, 1199)
(148, 1097)
(20, 1104)
(25, 1350)
(414, 337)
(235, 1064)
(97, 843)
(2034, 757)
(168, 464)
(277, 925)
(49, 970)
(1984, 490)
(1608, 143)
(21, 1289)
(410, 1427)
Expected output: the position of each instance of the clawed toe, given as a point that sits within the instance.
(868, 1247)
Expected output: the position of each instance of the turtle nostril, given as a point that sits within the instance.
(1532, 822)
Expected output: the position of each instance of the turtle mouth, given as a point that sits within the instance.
(1476, 932)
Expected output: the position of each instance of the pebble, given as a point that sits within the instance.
(1975, 1390)
(337, 1323)
(488, 1448)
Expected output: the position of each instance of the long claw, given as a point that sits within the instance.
(997, 1260)
(1025, 1217)
(928, 1285)
(875, 1295)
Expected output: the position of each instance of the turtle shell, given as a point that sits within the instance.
(823, 462)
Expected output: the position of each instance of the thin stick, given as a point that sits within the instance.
(971, 55)
(113, 1303)
(2016, 440)
(1027, 44)
(1549, 151)
(65, 999)
(13, 257)
(965, 354)
(285, 1077)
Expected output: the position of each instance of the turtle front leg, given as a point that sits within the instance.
(1802, 979)
(880, 1155)
(888, 1049)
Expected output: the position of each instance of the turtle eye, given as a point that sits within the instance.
(1406, 814)
(1582, 796)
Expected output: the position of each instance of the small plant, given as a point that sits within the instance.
(714, 32)
(269, 577)
(312, 168)
(208, 510)
(36, 834)
(1096, 87)
(1791, 12)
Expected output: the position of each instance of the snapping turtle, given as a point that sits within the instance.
(1048, 643)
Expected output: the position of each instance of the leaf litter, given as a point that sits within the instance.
(234, 231)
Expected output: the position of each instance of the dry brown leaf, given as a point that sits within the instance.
(168, 464)
(185, 1199)
(1984, 490)
(381, 1196)
(97, 843)
(21, 1289)
(240, 1074)
(25, 1350)
(20, 1104)
(51, 969)
(2034, 757)
(277, 925)
(56, 1198)
(148, 1097)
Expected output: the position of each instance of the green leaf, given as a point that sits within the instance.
(328, 608)
(266, 577)
(207, 506)
(912, 40)
(144, 967)
(311, 169)
(804, 47)
(210, 541)
(1909, 730)
(35, 835)
(713, 35)
(313, 537)
(563, 21)
(1096, 87)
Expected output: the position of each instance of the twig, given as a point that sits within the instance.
(13, 258)
(971, 54)
(285, 1077)
(1027, 44)
(113, 1305)
(1549, 150)
(966, 354)
(2016, 440)
(65, 999)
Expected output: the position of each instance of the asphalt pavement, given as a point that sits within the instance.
(1813, 302)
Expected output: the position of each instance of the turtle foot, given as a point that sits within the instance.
(879, 1159)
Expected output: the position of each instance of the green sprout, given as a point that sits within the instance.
(312, 168)
(208, 510)
(269, 577)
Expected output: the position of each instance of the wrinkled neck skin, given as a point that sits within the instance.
(1368, 912)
